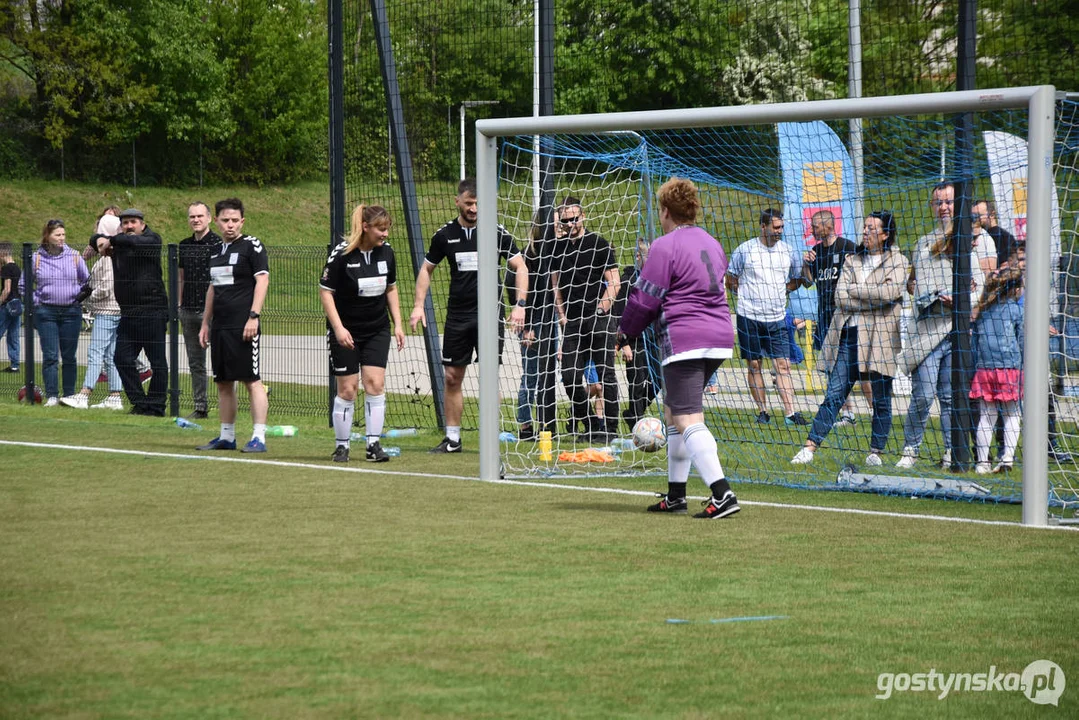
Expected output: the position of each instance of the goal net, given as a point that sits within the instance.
(745, 161)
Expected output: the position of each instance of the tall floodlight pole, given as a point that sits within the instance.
(854, 90)
(468, 104)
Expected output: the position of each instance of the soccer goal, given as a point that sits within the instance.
(789, 157)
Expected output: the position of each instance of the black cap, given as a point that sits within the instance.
(131, 212)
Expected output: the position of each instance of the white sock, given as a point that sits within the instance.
(985, 430)
(343, 410)
(258, 432)
(453, 432)
(228, 431)
(374, 416)
(1012, 421)
(678, 462)
(703, 450)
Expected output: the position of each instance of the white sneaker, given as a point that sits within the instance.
(804, 457)
(873, 460)
(846, 420)
(52, 402)
(946, 460)
(983, 468)
(78, 401)
(907, 460)
(112, 402)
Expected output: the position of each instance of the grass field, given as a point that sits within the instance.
(158, 584)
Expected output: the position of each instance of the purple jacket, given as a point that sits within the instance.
(57, 278)
(681, 291)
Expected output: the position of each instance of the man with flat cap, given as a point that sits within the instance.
(144, 309)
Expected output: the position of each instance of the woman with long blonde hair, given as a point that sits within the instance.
(357, 288)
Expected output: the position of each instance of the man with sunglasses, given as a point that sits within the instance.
(585, 287)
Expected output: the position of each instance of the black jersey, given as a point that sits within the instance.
(825, 270)
(459, 245)
(233, 268)
(580, 273)
(359, 281)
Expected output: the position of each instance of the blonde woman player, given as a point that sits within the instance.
(358, 286)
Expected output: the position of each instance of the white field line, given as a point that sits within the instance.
(520, 483)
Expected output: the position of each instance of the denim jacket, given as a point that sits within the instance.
(997, 337)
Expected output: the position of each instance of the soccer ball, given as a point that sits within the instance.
(22, 394)
(648, 434)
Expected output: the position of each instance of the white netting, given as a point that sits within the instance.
(800, 168)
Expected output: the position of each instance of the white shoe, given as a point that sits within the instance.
(804, 457)
(52, 402)
(873, 460)
(909, 457)
(78, 401)
(946, 460)
(982, 468)
(112, 402)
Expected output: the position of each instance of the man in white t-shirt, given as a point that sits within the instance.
(762, 271)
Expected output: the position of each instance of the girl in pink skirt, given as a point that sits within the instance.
(997, 344)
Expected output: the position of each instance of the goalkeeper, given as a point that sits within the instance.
(680, 292)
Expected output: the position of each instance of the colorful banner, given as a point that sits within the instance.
(817, 175)
(1007, 155)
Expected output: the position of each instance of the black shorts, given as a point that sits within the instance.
(460, 341)
(370, 350)
(233, 357)
(683, 384)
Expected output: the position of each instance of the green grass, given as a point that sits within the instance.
(138, 586)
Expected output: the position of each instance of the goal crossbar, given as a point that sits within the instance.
(1039, 102)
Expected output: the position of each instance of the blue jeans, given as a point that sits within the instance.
(840, 382)
(932, 377)
(99, 355)
(10, 325)
(58, 328)
(526, 395)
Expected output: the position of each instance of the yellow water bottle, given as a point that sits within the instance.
(545, 453)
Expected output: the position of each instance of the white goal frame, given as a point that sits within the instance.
(1040, 104)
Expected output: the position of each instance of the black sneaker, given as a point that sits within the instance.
(666, 504)
(446, 446)
(198, 415)
(527, 432)
(375, 453)
(340, 454)
(796, 419)
(763, 418)
(716, 510)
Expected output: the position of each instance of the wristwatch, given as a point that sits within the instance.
(253, 315)
(522, 303)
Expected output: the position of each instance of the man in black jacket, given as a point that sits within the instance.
(140, 292)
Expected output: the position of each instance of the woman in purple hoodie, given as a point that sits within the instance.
(680, 293)
(59, 273)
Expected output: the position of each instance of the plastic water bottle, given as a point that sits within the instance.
(187, 424)
(545, 446)
(400, 432)
(622, 444)
(282, 430)
(507, 437)
(392, 451)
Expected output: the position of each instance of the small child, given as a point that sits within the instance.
(997, 345)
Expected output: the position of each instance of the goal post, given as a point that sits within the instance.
(1039, 102)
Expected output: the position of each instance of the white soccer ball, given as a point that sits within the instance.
(648, 434)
